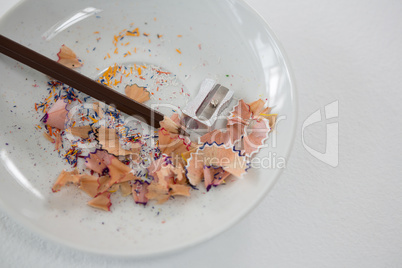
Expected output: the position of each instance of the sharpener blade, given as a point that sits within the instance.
(203, 111)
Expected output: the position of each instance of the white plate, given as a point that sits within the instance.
(225, 40)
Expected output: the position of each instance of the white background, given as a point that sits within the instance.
(316, 215)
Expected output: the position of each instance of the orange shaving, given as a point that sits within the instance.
(158, 192)
(109, 140)
(58, 141)
(177, 189)
(101, 201)
(169, 125)
(139, 191)
(195, 168)
(64, 178)
(118, 172)
(103, 184)
(231, 161)
(271, 118)
(47, 136)
(254, 140)
(256, 107)
(68, 58)
(114, 188)
(82, 131)
(160, 72)
(186, 155)
(241, 113)
(89, 184)
(137, 93)
(135, 32)
(173, 143)
(125, 188)
(57, 115)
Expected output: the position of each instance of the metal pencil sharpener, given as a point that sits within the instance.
(202, 111)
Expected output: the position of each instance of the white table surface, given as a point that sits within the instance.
(316, 215)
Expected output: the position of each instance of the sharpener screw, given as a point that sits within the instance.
(214, 103)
